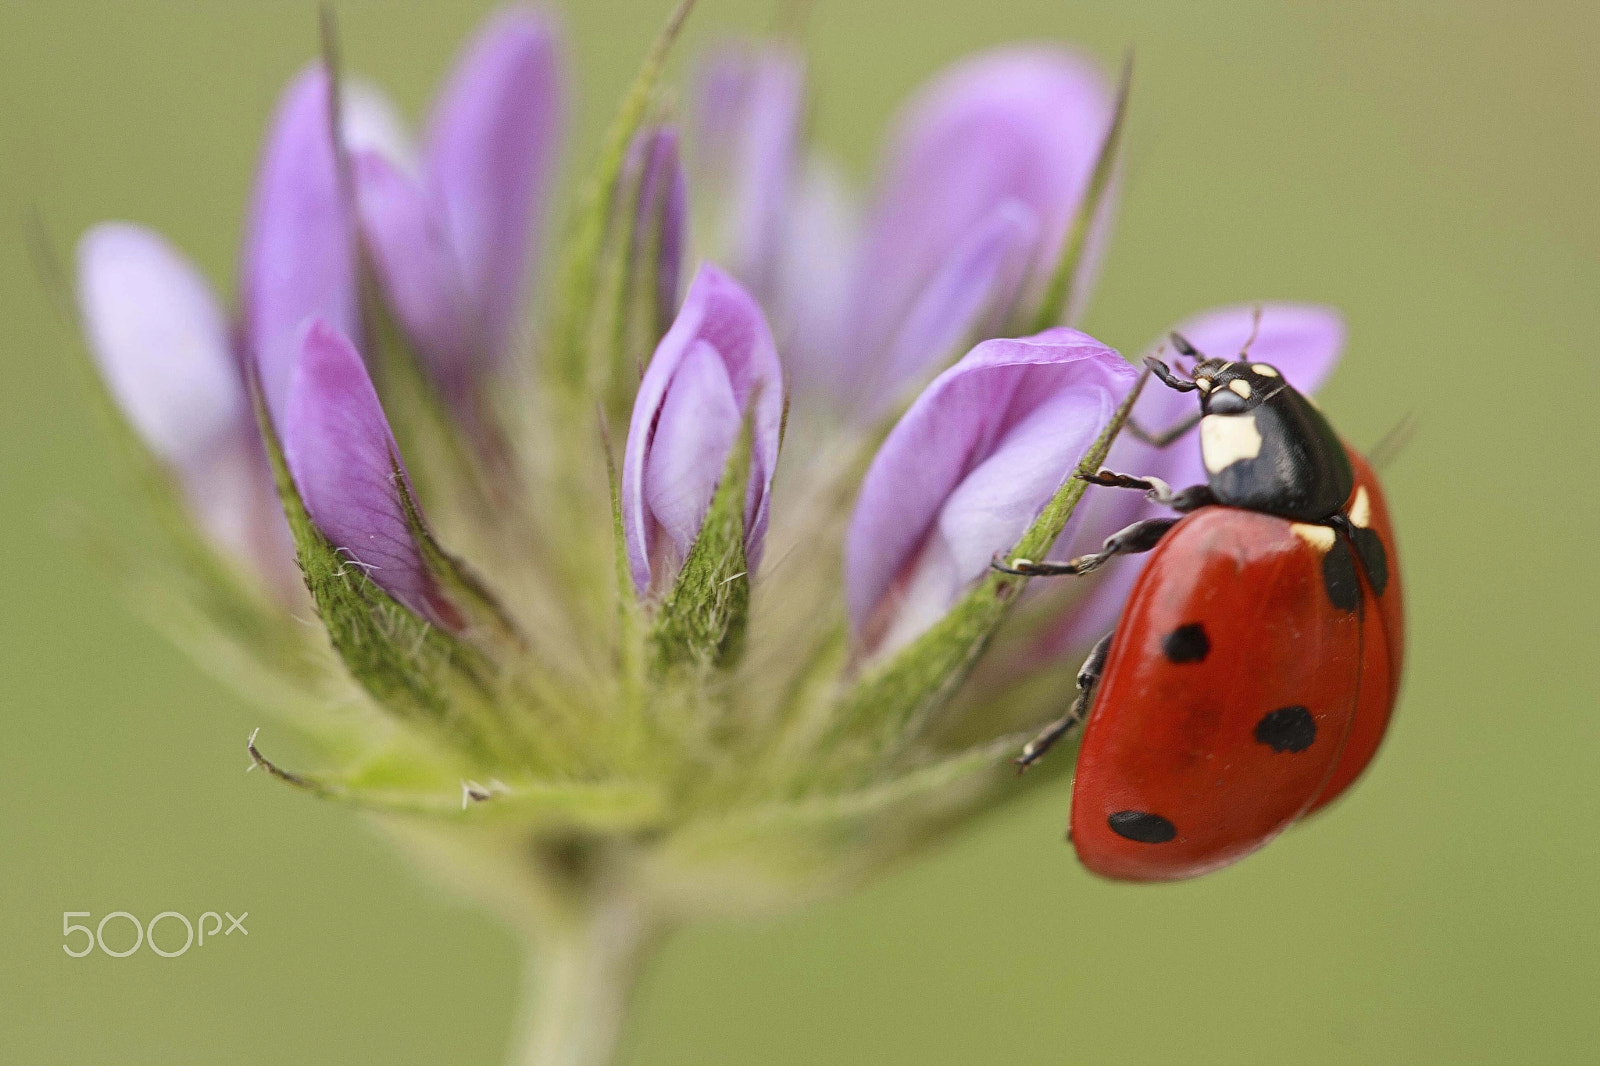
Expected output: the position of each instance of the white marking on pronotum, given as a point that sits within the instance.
(1228, 439)
(1361, 508)
(1319, 537)
(1241, 387)
(1264, 370)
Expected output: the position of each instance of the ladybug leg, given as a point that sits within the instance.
(1164, 372)
(1088, 677)
(1131, 540)
(1155, 490)
(1166, 436)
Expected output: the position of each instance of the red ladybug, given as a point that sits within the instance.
(1250, 677)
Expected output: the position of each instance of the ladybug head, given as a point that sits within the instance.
(1226, 387)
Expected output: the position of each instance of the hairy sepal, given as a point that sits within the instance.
(417, 672)
(703, 618)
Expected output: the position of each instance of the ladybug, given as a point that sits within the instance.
(1250, 677)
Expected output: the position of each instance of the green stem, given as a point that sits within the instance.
(579, 984)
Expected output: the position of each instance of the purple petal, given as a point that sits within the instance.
(490, 160)
(414, 259)
(969, 297)
(1016, 124)
(678, 445)
(161, 341)
(748, 110)
(698, 424)
(1303, 341)
(344, 461)
(968, 469)
(815, 279)
(299, 259)
(369, 122)
(654, 168)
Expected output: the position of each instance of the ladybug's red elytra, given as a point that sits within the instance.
(1251, 675)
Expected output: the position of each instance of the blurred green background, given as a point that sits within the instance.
(1432, 169)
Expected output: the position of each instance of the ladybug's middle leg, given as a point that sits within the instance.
(1165, 437)
(1130, 540)
(1088, 677)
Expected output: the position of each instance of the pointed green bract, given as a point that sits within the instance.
(464, 587)
(703, 618)
(580, 283)
(417, 784)
(1059, 294)
(889, 707)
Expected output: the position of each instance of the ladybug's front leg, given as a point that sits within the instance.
(1131, 540)
(1088, 677)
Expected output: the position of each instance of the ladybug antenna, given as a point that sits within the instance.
(1255, 330)
(1392, 443)
(1180, 342)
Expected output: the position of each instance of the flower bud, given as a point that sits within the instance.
(716, 366)
(653, 174)
(347, 469)
(161, 342)
(967, 470)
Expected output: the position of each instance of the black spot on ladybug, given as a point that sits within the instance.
(1288, 729)
(1142, 827)
(1374, 560)
(1187, 644)
(1339, 576)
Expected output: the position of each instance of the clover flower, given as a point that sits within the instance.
(751, 652)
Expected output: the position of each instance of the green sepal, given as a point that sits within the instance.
(630, 612)
(488, 617)
(403, 781)
(1060, 293)
(579, 288)
(888, 708)
(703, 618)
(417, 672)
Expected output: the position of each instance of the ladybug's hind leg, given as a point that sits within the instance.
(1088, 677)
(1131, 540)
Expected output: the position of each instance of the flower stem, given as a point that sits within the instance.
(579, 983)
